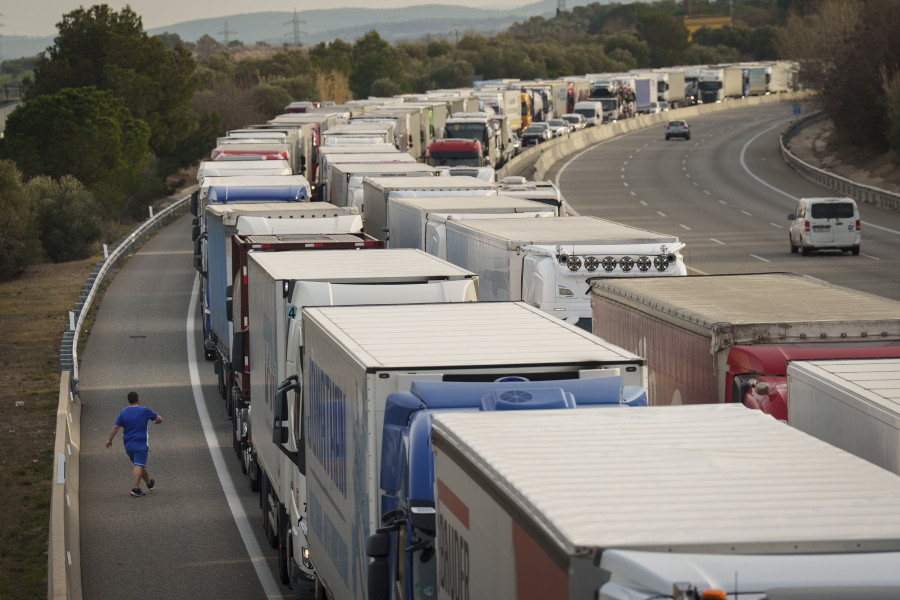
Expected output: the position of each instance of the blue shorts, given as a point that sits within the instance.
(138, 456)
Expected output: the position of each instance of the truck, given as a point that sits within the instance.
(754, 80)
(355, 134)
(609, 94)
(853, 404)
(281, 285)
(549, 263)
(288, 186)
(491, 131)
(456, 152)
(593, 111)
(421, 222)
(324, 154)
(378, 190)
(545, 192)
(504, 102)
(351, 369)
(345, 179)
(229, 168)
(670, 87)
(224, 220)
(728, 338)
(682, 503)
(718, 83)
(645, 94)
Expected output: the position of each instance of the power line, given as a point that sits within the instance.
(296, 23)
(226, 32)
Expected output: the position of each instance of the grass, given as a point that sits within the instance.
(33, 315)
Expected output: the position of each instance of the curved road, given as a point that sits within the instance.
(726, 193)
(199, 535)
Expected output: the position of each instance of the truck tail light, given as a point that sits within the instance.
(857, 225)
(806, 226)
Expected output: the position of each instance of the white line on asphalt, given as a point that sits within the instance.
(683, 226)
(707, 192)
(270, 587)
(777, 225)
(760, 258)
(870, 256)
(661, 213)
(722, 202)
(632, 193)
(644, 203)
(717, 241)
(746, 213)
(625, 183)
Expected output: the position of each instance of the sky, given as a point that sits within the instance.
(38, 18)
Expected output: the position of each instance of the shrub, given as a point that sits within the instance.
(67, 217)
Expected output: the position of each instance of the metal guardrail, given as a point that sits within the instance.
(846, 187)
(64, 551)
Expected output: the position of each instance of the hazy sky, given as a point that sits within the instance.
(39, 17)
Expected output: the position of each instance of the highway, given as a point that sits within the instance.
(726, 193)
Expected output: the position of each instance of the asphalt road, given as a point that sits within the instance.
(199, 535)
(726, 193)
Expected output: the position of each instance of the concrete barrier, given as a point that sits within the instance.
(64, 548)
(845, 187)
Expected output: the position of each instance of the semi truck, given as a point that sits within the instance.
(490, 130)
(644, 93)
(237, 399)
(727, 338)
(456, 152)
(503, 102)
(325, 153)
(539, 191)
(293, 187)
(754, 81)
(345, 178)
(853, 404)
(421, 222)
(682, 503)
(224, 220)
(378, 190)
(351, 368)
(230, 168)
(548, 262)
(670, 87)
(281, 285)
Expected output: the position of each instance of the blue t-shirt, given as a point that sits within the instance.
(134, 421)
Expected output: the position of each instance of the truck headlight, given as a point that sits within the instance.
(565, 292)
(304, 553)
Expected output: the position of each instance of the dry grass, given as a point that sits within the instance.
(34, 313)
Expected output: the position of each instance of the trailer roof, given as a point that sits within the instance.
(415, 183)
(463, 334)
(573, 230)
(708, 300)
(474, 204)
(347, 266)
(279, 210)
(877, 380)
(381, 165)
(699, 478)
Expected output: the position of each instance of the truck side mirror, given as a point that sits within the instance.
(791, 217)
(237, 351)
(378, 548)
(279, 431)
(195, 203)
(195, 232)
(198, 256)
(229, 303)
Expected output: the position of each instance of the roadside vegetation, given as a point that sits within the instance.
(112, 115)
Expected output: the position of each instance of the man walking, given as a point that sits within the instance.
(134, 420)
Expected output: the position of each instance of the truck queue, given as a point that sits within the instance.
(389, 356)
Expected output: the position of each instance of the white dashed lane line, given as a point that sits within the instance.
(661, 213)
(777, 225)
(683, 226)
(746, 213)
(718, 241)
(760, 258)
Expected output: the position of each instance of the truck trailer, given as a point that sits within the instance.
(727, 338)
(657, 502)
(853, 404)
(281, 284)
(548, 262)
(378, 190)
(356, 357)
(344, 185)
(272, 218)
(421, 222)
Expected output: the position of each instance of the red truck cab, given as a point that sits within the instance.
(456, 153)
(757, 375)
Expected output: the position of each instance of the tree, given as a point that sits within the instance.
(67, 217)
(85, 132)
(19, 245)
(99, 47)
(667, 38)
(373, 59)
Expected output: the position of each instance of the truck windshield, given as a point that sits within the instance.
(424, 569)
(710, 86)
(455, 159)
(468, 131)
(608, 104)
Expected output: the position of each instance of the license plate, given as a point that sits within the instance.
(821, 228)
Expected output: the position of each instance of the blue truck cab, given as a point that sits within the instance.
(404, 565)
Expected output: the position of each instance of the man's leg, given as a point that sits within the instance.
(145, 475)
(136, 476)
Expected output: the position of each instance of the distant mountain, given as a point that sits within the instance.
(277, 28)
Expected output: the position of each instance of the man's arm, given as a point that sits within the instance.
(112, 434)
(157, 420)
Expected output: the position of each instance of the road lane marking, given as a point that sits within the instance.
(270, 587)
(717, 241)
(777, 225)
(683, 226)
(746, 213)
(661, 213)
(760, 258)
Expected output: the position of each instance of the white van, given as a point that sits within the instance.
(821, 223)
(592, 112)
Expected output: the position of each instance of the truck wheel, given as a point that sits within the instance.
(236, 443)
(220, 378)
(805, 251)
(253, 471)
(855, 250)
(229, 398)
(794, 248)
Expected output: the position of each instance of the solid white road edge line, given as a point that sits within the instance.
(257, 558)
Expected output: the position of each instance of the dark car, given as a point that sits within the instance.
(535, 134)
(678, 129)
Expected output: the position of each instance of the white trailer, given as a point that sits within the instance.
(853, 404)
(355, 357)
(230, 168)
(657, 502)
(377, 191)
(280, 285)
(548, 263)
(421, 222)
(344, 185)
